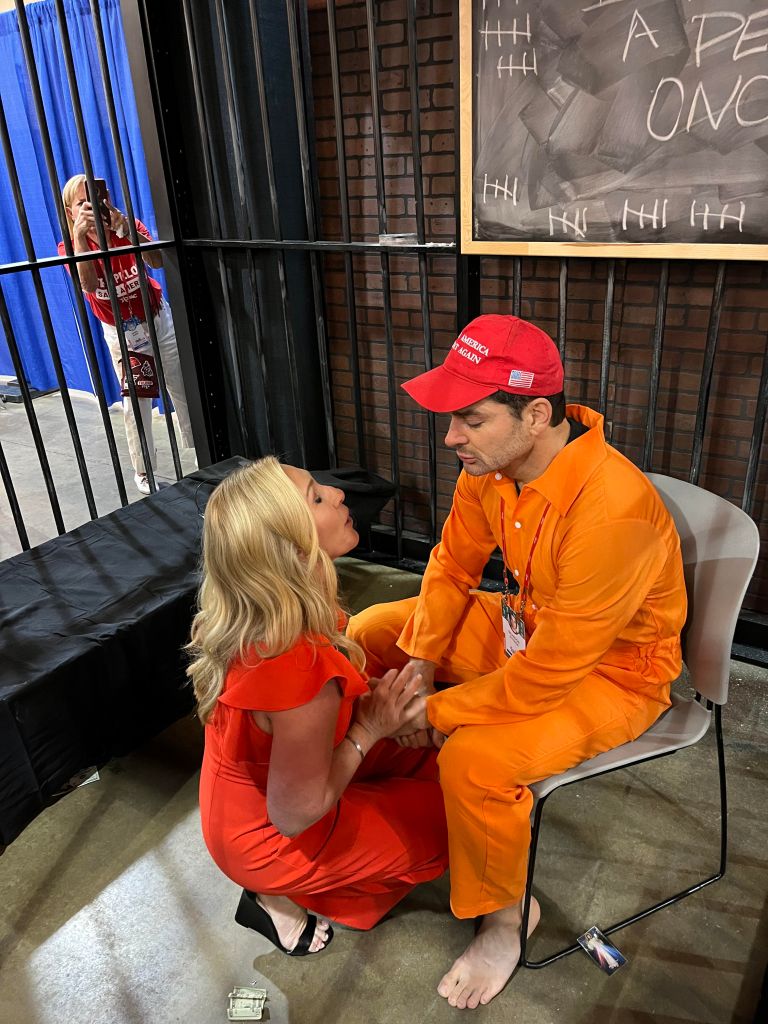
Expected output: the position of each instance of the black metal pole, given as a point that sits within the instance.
(101, 235)
(658, 342)
(707, 369)
(132, 232)
(373, 64)
(301, 71)
(293, 373)
(34, 426)
(413, 80)
(45, 314)
(13, 501)
(349, 275)
(605, 354)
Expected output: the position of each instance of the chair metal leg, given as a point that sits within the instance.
(657, 906)
(529, 879)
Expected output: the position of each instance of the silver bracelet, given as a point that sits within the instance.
(357, 746)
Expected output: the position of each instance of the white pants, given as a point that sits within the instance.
(169, 354)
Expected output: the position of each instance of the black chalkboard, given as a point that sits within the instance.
(615, 121)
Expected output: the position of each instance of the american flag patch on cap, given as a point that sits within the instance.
(520, 379)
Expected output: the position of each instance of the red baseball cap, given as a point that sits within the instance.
(493, 353)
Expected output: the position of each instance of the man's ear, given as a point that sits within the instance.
(540, 411)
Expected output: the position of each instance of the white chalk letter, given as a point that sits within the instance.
(738, 53)
(743, 121)
(702, 46)
(714, 121)
(679, 86)
(637, 19)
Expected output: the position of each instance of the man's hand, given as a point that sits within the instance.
(427, 671)
(416, 733)
(422, 738)
(438, 738)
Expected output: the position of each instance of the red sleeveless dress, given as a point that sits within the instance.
(386, 833)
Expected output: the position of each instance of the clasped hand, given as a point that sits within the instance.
(396, 703)
(417, 677)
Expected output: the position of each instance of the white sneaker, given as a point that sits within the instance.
(140, 479)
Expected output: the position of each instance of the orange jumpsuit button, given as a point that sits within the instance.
(498, 476)
(518, 526)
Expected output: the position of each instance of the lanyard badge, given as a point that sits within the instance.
(512, 620)
(136, 333)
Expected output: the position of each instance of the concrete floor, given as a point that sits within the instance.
(113, 913)
(19, 448)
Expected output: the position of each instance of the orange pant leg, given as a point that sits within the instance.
(485, 770)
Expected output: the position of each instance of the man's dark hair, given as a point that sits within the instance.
(517, 403)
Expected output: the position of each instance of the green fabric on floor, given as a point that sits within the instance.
(362, 584)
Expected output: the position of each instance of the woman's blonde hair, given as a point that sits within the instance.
(68, 194)
(266, 580)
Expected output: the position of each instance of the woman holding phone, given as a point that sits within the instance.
(81, 217)
(305, 800)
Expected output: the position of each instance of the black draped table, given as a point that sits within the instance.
(92, 626)
(91, 629)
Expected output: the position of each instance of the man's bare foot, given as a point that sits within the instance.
(290, 920)
(486, 965)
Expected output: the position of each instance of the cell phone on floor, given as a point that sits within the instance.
(101, 202)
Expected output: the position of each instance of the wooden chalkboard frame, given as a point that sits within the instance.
(631, 250)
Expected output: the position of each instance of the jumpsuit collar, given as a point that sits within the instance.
(563, 479)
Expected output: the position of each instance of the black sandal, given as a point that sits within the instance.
(251, 914)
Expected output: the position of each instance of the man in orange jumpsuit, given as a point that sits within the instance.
(575, 657)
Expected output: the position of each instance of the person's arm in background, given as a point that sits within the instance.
(120, 224)
(87, 272)
(307, 775)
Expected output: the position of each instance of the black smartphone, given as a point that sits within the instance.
(101, 203)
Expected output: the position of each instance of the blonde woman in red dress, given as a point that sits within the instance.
(305, 800)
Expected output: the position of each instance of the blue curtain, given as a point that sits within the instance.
(16, 97)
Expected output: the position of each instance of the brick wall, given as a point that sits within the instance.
(743, 325)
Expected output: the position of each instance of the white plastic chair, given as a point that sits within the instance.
(720, 545)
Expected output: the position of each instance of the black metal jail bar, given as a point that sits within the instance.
(301, 74)
(212, 192)
(133, 234)
(236, 134)
(658, 341)
(707, 370)
(45, 140)
(34, 426)
(378, 160)
(349, 272)
(45, 314)
(85, 154)
(13, 501)
(413, 82)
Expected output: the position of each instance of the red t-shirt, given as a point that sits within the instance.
(125, 272)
